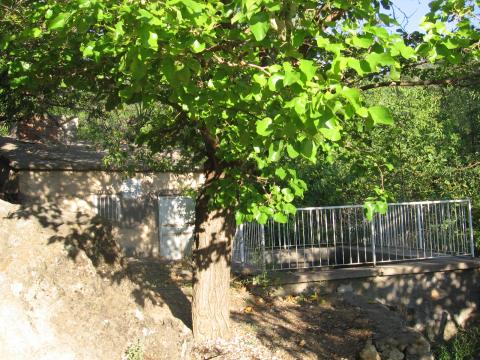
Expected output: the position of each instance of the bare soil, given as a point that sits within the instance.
(68, 293)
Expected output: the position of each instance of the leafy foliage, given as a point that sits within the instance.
(261, 84)
(431, 153)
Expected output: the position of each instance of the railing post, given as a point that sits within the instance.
(419, 228)
(374, 254)
(472, 244)
(241, 243)
(262, 237)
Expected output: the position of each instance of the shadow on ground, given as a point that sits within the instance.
(307, 327)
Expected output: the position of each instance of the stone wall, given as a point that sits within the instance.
(436, 297)
(76, 192)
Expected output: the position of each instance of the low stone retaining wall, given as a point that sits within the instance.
(435, 296)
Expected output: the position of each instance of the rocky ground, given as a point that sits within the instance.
(68, 293)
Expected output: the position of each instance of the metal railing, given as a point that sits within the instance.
(108, 207)
(342, 236)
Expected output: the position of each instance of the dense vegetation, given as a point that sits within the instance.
(432, 152)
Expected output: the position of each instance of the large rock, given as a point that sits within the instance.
(450, 330)
(419, 348)
(55, 305)
(395, 354)
(369, 352)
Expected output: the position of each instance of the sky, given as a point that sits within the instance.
(410, 12)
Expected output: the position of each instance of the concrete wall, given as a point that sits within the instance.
(56, 184)
(75, 192)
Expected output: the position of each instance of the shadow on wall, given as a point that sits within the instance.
(92, 235)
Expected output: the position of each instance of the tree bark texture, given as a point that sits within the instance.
(214, 233)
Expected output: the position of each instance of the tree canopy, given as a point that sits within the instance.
(262, 84)
(261, 81)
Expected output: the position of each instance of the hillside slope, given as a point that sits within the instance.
(56, 304)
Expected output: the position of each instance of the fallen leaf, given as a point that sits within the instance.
(248, 309)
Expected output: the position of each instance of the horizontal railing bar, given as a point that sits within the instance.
(427, 202)
(431, 202)
(368, 263)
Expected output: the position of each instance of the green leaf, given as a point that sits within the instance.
(275, 151)
(262, 126)
(292, 153)
(362, 42)
(332, 134)
(197, 46)
(4, 41)
(48, 14)
(259, 25)
(152, 40)
(192, 6)
(381, 207)
(239, 218)
(260, 79)
(58, 21)
(289, 208)
(281, 173)
(287, 195)
(291, 75)
(382, 59)
(138, 69)
(309, 149)
(88, 50)
(369, 210)
(299, 104)
(394, 73)
(308, 68)
(34, 32)
(280, 218)
(407, 52)
(18, 81)
(362, 111)
(387, 20)
(273, 81)
(262, 218)
(352, 95)
(380, 115)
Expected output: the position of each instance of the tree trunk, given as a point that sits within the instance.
(214, 232)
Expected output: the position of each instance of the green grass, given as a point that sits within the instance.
(464, 346)
(4, 130)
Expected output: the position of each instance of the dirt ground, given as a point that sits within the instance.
(264, 327)
(68, 293)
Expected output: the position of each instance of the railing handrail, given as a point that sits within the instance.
(426, 202)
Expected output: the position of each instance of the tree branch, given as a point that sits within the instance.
(240, 64)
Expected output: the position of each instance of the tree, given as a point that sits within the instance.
(262, 83)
